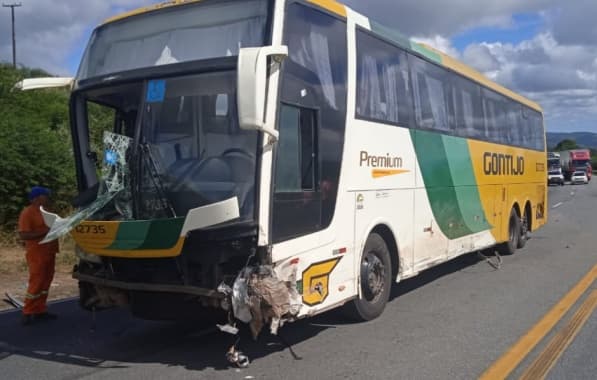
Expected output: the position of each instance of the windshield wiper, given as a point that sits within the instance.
(156, 178)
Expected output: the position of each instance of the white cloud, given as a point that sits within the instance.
(562, 78)
(440, 43)
(480, 57)
(573, 23)
(48, 31)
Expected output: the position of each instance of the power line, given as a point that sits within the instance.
(14, 41)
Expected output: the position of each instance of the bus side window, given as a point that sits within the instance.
(296, 153)
(383, 83)
(431, 92)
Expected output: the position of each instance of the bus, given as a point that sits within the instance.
(276, 159)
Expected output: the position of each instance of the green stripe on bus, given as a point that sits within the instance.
(390, 34)
(439, 184)
(426, 52)
(163, 234)
(130, 235)
(465, 184)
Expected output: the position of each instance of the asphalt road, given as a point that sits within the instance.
(453, 321)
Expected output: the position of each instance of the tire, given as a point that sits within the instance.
(524, 230)
(509, 247)
(375, 281)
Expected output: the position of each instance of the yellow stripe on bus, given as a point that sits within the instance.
(147, 9)
(379, 173)
(332, 6)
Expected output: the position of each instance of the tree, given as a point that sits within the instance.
(566, 144)
(35, 144)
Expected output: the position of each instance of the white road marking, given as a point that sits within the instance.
(558, 205)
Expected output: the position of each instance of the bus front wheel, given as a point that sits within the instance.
(375, 281)
(514, 229)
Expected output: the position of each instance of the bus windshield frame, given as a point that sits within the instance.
(166, 36)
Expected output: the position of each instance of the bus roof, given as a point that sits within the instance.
(391, 34)
(149, 8)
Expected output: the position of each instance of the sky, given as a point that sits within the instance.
(543, 49)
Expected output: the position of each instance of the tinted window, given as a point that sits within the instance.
(383, 84)
(288, 160)
(437, 98)
(467, 108)
(432, 89)
(494, 107)
(296, 154)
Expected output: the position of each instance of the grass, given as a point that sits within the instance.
(12, 254)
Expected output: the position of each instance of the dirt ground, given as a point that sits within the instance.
(14, 275)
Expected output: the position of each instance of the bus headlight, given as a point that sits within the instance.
(81, 254)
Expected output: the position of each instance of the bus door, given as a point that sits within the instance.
(297, 194)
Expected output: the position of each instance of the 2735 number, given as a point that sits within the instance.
(90, 229)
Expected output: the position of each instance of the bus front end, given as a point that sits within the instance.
(169, 179)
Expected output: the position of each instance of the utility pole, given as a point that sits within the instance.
(14, 42)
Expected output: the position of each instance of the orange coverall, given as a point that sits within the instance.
(40, 259)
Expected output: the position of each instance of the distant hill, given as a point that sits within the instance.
(586, 139)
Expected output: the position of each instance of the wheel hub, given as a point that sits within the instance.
(525, 226)
(373, 277)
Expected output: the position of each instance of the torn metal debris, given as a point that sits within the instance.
(233, 330)
(237, 357)
(259, 297)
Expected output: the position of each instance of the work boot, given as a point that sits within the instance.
(27, 319)
(46, 316)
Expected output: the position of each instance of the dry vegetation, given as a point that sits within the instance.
(14, 275)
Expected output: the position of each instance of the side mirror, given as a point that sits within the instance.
(37, 83)
(252, 86)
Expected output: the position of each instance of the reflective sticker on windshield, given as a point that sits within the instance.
(156, 91)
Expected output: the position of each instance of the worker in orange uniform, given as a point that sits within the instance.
(40, 257)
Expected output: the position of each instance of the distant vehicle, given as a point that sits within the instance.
(554, 169)
(553, 160)
(579, 177)
(555, 177)
(575, 160)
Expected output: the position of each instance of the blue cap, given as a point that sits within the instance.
(37, 191)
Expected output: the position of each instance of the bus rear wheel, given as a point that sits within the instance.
(524, 229)
(514, 229)
(375, 281)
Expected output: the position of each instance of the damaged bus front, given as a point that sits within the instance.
(169, 195)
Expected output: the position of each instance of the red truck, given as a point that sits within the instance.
(576, 159)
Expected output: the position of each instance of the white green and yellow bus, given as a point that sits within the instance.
(292, 146)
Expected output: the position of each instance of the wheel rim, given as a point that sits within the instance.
(373, 276)
(513, 231)
(524, 228)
